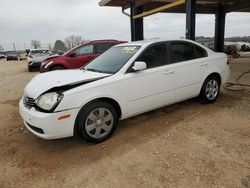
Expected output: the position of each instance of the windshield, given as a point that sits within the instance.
(112, 60)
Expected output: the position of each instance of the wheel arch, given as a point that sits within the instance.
(214, 74)
(113, 102)
(110, 100)
(57, 65)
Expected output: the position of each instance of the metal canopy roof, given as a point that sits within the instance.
(202, 6)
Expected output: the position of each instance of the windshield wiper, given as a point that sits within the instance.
(93, 70)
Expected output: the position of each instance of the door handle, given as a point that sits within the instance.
(168, 72)
(203, 64)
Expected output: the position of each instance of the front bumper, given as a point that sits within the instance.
(47, 125)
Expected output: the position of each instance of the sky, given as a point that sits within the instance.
(50, 20)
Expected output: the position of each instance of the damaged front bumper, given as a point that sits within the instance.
(49, 125)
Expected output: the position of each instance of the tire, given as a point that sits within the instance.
(93, 128)
(58, 67)
(210, 90)
(30, 69)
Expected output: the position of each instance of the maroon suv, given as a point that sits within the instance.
(79, 56)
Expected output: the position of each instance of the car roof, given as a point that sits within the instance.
(151, 41)
(100, 41)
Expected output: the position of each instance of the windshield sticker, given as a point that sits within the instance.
(130, 50)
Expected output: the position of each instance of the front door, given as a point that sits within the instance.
(83, 55)
(153, 87)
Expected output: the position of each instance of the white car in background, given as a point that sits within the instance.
(36, 57)
(127, 80)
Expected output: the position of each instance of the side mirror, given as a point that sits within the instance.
(139, 66)
(73, 54)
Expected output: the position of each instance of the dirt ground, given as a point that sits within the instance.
(184, 145)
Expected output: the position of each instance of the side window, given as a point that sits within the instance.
(89, 49)
(155, 56)
(200, 52)
(102, 47)
(182, 51)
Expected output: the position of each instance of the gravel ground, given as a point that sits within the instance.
(184, 145)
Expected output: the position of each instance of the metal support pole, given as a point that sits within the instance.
(190, 19)
(136, 24)
(220, 18)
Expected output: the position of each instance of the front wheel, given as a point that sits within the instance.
(210, 90)
(97, 121)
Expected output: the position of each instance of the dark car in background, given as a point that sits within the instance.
(78, 56)
(12, 56)
(2, 56)
(229, 48)
(58, 53)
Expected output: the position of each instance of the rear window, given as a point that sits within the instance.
(184, 51)
(200, 52)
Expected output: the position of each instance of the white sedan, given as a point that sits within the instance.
(127, 80)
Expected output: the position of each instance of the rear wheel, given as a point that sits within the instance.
(58, 67)
(97, 121)
(210, 90)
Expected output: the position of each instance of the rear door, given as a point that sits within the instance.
(190, 66)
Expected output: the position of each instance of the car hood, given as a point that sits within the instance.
(52, 57)
(46, 81)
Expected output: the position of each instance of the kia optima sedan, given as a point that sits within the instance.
(127, 80)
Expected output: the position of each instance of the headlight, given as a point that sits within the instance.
(44, 63)
(48, 64)
(49, 101)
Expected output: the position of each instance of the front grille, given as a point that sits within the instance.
(35, 128)
(29, 102)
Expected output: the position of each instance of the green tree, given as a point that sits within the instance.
(60, 46)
